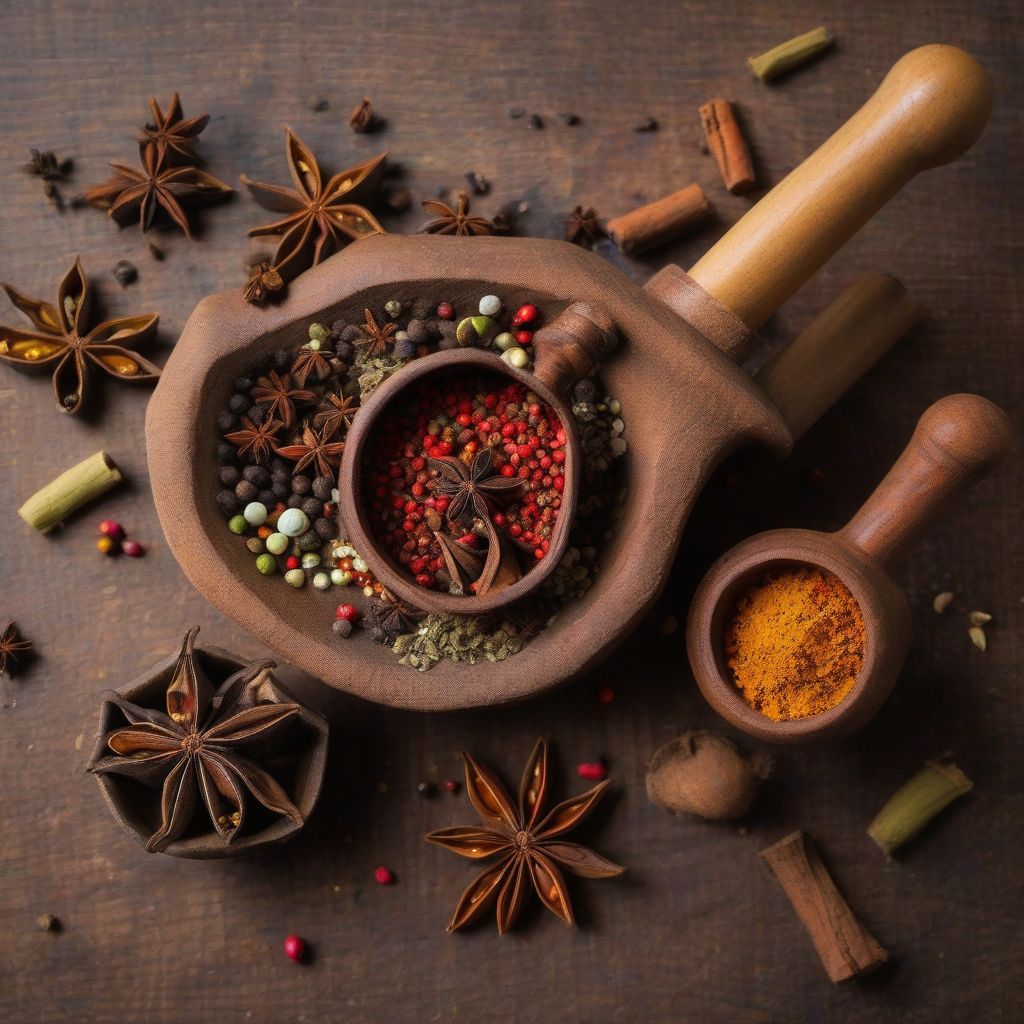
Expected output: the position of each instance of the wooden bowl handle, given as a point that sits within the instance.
(957, 440)
(929, 109)
(573, 345)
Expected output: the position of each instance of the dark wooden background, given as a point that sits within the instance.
(695, 931)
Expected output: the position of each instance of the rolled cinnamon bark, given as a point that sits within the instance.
(727, 145)
(661, 221)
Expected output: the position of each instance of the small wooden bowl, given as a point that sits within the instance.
(957, 440)
(566, 350)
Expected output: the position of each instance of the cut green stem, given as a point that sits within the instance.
(790, 54)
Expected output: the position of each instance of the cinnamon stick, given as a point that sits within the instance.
(661, 221)
(847, 949)
(727, 145)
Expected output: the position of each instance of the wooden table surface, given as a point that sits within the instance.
(695, 930)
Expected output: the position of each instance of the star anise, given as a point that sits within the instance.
(63, 344)
(255, 439)
(468, 487)
(455, 220)
(583, 227)
(389, 618)
(154, 187)
(280, 396)
(318, 447)
(263, 281)
(319, 219)
(340, 416)
(376, 339)
(11, 645)
(311, 362)
(529, 847)
(195, 748)
(171, 133)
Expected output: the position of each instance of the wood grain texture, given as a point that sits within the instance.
(694, 930)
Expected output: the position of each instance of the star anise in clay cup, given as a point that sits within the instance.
(208, 757)
(528, 844)
(454, 220)
(156, 186)
(63, 344)
(319, 219)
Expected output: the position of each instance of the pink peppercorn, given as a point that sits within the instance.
(451, 785)
(133, 549)
(445, 310)
(593, 771)
(383, 875)
(295, 948)
(348, 612)
(112, 528)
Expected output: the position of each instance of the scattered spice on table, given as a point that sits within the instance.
(295, 948)
(12, 645)
(398, 199)
(943, 600)
(536, 121)
(45, 164)
(478, 184)
(583, 227)
(847, 949)
(363, 119)
(790, 54)
(529, 845)
(125, 273)
(454, 220)
(63, 343)
(917, 802)
(661, 221)
(727, 145)
(48, 923)
(649, 124)
(795, 643)
(319, 218)
(570, 120)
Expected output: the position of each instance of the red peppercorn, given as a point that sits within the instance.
(445, 310)
(593, 771)
(383, 875)
(133, 549)
(295, 948)
(525, 315)
(112, 528)
(348, 612)
(293, 562)
(452, 785)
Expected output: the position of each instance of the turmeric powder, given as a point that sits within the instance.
(795, 643)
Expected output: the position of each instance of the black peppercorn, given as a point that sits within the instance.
(344, 351)
(257, 475)
(283, 359)
(418, 332)
(323, 486)
(239, 404)
(585, 392)
(226, 422)
(229, 476)
(447, 343)
(280, 489)
(295, 501)
(352, 334)
(226, 453)
(257, 414)
(282, 467)
(447, 328)
(310, 541)
(268, 498)
(244, 384)
(228, 504)
(301, 484)
(313, 507)
(326, 529)
(246, 491)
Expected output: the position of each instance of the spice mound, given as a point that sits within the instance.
(465, 482)
(795, 643)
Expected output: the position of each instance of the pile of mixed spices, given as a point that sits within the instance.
(795, 643)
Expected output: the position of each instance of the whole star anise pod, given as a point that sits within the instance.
(529, 847)
(319, 219)
(376, 338)
(195, 749)
(254, 439)
(170, 133)
(279, 396)
(318, 447)
(311, 362)
(154, 187)
(11, 645)
(468, 487)
(339, 417)
(64, 345)
(454, 220)
(583, 227)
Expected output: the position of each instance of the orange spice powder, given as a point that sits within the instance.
(795, 643)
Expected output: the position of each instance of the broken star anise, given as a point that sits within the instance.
(154, 187)
(263, 281)
(583, 227)
(257, 439)
(529, 847)
(195, 749)
(64, 345)
(277, 393)
(454, 220)
(319, 218)
(314, 447)
(171, 133)
(11, 646)
(376, 338)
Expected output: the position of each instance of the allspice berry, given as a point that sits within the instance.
(704, 774)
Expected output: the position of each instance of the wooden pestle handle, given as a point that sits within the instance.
(929, 109)
(836, 349)
(957, 440)
(573, 345)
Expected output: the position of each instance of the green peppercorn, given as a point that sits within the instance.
(238, 524)
(277, 543)
(321, 581)
(266, 564)
(474, 329)
(341, 578)
(516, 357)
(317, 332)
(393, 309)
(504, 341)
(310, 560)
(295, 577)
